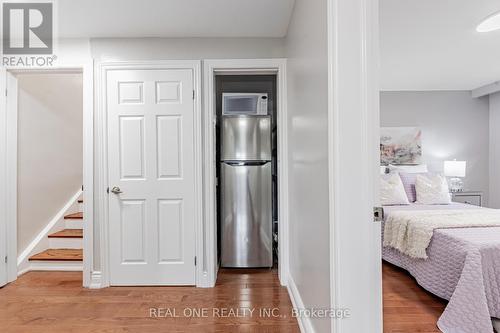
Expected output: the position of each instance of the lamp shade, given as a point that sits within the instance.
(454, 168)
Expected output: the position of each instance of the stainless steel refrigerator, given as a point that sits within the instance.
(246, 194)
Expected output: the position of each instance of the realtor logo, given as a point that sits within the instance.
(27, 28)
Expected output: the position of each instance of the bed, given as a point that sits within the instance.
(463, 267)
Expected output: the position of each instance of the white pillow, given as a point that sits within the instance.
(421, 168)
(432, 190)
(392, 191)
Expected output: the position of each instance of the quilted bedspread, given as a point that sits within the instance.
(463, 266)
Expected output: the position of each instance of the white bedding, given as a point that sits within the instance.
(410, 232)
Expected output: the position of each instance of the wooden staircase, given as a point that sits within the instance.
(66, 245)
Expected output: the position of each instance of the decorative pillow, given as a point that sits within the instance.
(392, 191)
(432, 190)
(421, 168)
(408, 180)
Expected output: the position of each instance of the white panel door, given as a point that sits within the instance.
(151, 161)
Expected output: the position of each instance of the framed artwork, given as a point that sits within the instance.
(400, 145)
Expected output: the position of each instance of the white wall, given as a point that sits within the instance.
(454, 126)
(50, 152)
(185, 48)
(308, 156)
(494, 193)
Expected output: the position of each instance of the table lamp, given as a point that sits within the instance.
(456, 170)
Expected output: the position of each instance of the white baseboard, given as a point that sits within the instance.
(305, 324)
(41, 241)
(96, 280)
(24, 270)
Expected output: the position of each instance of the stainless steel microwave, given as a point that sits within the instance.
(244, 103)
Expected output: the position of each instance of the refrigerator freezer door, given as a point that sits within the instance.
(246, 138)
(246, 215)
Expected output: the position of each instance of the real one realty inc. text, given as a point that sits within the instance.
(240, 312)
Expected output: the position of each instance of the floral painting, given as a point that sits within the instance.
(400, 145)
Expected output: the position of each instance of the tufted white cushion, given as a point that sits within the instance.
(432, 190)
(392, 191)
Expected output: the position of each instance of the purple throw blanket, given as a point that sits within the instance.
(463, 266)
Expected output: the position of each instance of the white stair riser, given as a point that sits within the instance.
(65, 243)
(42, 265)
(80, 206)
(73, 224)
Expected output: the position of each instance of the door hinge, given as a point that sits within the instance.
(378, 214)
(107, 190)
(193, 94)
(195, 261)
(5, 92)
(5, 259)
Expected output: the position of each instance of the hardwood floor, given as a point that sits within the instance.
(55, 302)
(408, 308)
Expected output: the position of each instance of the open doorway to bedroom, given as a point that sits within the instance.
(439, 167)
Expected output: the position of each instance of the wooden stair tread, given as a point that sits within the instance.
(74, 216)
(59, 255)
(67, 233)
(80, 200)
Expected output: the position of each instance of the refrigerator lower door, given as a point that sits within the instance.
(246, 215)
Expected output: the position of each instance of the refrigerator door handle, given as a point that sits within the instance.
(246, 163)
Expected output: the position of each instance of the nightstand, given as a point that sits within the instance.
(468, 197)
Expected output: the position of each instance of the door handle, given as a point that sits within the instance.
(116, 190)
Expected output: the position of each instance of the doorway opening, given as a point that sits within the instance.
(235, 74)
(46, 158)
(246, 170)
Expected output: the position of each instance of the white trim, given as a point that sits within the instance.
(208, 270)
(3, 175)
(11, 176)
(305, 323)
(96, 280)
(10, 160)
(353, 125)
(88, 171)
(101, 143)
(22, 259)
(23, 271)
(486, 90)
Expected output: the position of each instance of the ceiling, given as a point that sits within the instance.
(433, 45)
(173, 18)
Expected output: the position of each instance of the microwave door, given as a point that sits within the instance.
(240, 104)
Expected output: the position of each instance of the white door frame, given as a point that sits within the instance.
(353, 130)
(102, 277)
(8, 161)
(208, 265)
